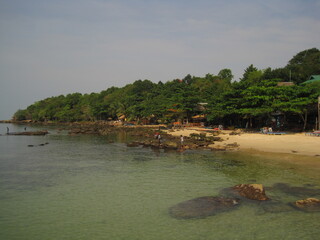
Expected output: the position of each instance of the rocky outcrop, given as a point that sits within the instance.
(133, 144)
(171, 145)
(251, 191)
(84, 129)
(202, 207)
(232, 145)
(35, 133)
(236, 132)
(308, 205)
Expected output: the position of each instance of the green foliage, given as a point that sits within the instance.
(304, 64)
(20, 115)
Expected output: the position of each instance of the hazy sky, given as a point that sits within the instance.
(53, 47)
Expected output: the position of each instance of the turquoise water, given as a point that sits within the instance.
(84, 187)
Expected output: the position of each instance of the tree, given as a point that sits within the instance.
(225, 74)
(254, 98)
(304, 64)
(20, 115)
(247, 71)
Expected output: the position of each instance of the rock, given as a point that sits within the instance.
(133, 144)
(232, 145)
(296, 191)
(30, 145)
(192, 146)
(308, 205)
(217, 139)
(217, 147)
(181, 150)
(170, 144)
(251, 191)
(275, 207)
(236, 132)
(35, 133)
(147, 143)
(202, 207)
(156, 145)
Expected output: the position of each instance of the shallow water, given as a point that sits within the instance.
(83, 187)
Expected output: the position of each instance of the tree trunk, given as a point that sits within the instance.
(304, 119)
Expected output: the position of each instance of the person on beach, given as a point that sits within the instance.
(181, 140)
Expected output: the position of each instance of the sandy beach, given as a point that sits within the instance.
(298, 144)
(298, 150)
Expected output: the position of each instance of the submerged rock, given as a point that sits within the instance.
(217, 147)
(296, 191)
(308, 205)
(275, 207)
(133, 144)
(171, 144)
(251, 191)
(202, 207)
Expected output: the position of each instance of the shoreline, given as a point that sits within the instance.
(298, 150)
(290, 143)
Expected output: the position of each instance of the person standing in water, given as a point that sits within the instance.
(181, 141)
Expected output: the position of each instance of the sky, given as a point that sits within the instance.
(54, 47)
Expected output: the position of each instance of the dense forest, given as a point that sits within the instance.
(261, 97)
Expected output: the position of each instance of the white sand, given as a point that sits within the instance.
(298, 144)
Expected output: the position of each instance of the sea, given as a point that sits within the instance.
(78, 187)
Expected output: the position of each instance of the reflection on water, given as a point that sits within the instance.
(84, 187)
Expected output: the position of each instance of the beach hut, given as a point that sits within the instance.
(199, 120)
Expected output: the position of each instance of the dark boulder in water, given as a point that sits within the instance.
(275, 207)
(297, 191)
(202, 207)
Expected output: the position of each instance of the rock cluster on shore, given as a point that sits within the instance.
(145, 136)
